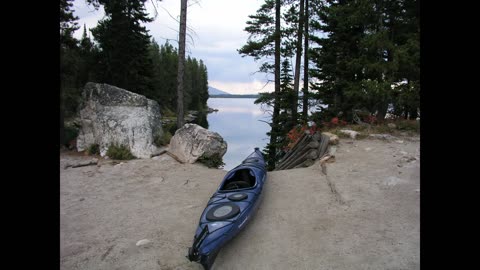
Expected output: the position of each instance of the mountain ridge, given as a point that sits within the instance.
(214, 91)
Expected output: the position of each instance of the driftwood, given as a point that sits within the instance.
(299, 158)
(304, 153)
(300, 154)
(300, 141)
(82, 163)
(323, 148)
(306, 163)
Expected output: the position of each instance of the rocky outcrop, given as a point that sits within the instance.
(192, 141)
(109, 114)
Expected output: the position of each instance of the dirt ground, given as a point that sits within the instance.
(363, 214)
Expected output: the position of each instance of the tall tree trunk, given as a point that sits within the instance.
(413, 114)
(62, 113)
(382, 111)
(181, 63)
(276, 106)
(305, 68)
(298, 58)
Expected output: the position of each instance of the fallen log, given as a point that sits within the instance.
(309, 154)
(323, 148)
(82, 163)
(300, 141)
(299, 152)
(306, 163)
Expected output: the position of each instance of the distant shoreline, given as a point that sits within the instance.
(234, 96)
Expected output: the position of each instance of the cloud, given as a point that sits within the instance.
(216, 32)
(252, 87)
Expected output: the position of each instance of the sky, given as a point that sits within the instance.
(216, 33)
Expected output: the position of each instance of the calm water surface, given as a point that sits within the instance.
(237, 121)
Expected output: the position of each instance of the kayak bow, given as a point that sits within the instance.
(229, 209)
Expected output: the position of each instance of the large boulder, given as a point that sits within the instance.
(192, 141)
(109, 114)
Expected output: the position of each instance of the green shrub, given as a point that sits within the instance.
(71, 133)
(214, 161)
(382, 128)
(120, 152)
(162, 140)
(361, 136)
(166, 112)
(93, 149)
(408, 125)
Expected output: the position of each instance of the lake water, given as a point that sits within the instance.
(237, 121)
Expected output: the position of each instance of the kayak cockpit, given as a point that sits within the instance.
(240, 179)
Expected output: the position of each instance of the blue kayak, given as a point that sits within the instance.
(229, 209)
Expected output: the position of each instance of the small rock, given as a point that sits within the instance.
(82, 199)
(410, 159)
(192, 141)
(353, 134)
(368, 149)
(393, 181)
(417, 190)
(403, 153)
(382, 136)
(399, 141)
(143, 242)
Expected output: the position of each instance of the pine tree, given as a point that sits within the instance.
(370, 58)
(337, 59)
(298, 56)
(68, 58)
(263, 43)
(305, 66)
(68, 24)
(124, 45)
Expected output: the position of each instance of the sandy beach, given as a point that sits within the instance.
(364, 213)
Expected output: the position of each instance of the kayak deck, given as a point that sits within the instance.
(228, 209)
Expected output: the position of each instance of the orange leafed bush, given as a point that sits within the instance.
(297, 132)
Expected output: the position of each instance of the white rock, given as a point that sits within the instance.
(382, 136)
(192, 141)
(368, 149)
(109, 114)
(353, 134)
(393, 181)
(399, 141)
(143, 242)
